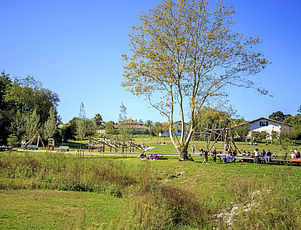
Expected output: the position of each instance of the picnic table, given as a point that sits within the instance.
(226, 159)
(295, 161)
(245, 158)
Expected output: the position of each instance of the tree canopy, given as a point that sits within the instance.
(279, 116)
(183, 55)
(24, 106)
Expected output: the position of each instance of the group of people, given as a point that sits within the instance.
(143, 156)
(264, 157)
(205, 154)
(161, 143)
(294, 154)
(259, 157)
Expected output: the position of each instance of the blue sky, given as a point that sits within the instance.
(74, 47)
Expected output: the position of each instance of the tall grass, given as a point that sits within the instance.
(276, 205)
(57, 171)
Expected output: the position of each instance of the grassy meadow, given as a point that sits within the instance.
(45, 190)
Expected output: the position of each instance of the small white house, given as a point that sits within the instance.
(268, 125)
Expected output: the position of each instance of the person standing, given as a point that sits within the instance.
(205, 157)
(192, 149)
(214, 156)
(256, 155)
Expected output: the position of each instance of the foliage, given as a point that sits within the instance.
(67, 132)
(109, 126)
(81, 128)
(123, 129)
(123, 113)
(12, 140)
(98, 121)
(27, 93)
(212, 119)
(263, 135)
(5, 111)
(274, 135)
(150, 125)
(50, 126)
(279, 116)
(160, 128)
(295, 121)
(32, 124)
(284, 139)
(183, 56)
(19, 98)
(241, 130)
(255, 135)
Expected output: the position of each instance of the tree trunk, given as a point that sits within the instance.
(182, 152)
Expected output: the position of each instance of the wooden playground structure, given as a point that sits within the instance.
(115, 144)
(224, 134)
(29, 144)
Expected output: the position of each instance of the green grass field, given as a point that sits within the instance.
(64, 191)
(47, 209)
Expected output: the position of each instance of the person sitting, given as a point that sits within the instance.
(268, 157)
(244, 153)
(230, 152)
(235, 153)
(298, 155)
(292, 154)
(143, 156)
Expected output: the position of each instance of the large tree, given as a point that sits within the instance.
(19, 97)
(183, 54)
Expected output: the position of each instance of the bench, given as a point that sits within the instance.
(63, 149)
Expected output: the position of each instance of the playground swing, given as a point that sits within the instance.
(29, 145)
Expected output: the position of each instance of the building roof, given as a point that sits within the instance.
(261, 118)
(130, 122)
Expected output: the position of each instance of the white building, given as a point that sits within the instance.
(264, 124)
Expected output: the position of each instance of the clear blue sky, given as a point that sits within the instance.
(74, 47)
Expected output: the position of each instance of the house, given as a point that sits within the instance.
(264, 124)
(136, 127)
